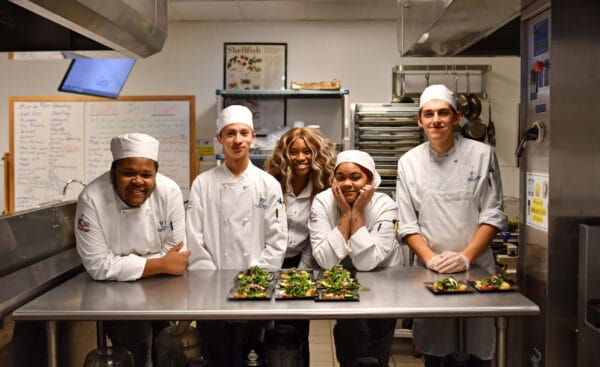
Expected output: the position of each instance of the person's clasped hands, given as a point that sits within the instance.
(448, 262)
(176, 261)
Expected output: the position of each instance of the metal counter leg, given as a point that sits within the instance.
(501, 341)
(52, 346)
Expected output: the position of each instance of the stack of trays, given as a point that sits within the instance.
(386, 132)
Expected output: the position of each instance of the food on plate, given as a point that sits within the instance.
(338, 283)
(251, 291)
(495, 282)
(253, 282)
(449, 284)
(254, 275)
(297, 284)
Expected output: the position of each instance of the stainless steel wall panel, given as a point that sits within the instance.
(570, 155)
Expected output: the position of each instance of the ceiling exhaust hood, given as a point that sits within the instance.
(135, 28)
(448, 27)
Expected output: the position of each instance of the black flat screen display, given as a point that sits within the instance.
(97, 77)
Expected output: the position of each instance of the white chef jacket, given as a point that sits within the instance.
(373, 245)
(446, 197)
(297, 211)
(114, 240)
(236, 222)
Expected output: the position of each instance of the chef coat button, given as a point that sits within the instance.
(225, 220)
(245, 220)
(245, 254)
(226, 254)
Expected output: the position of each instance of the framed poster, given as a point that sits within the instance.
(255, 66)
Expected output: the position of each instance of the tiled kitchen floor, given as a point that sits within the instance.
(322, 350)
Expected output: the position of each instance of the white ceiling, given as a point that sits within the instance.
(213, 10)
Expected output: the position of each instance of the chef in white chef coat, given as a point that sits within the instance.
(450, 207)
(354, 225)
(130, 223)
(235, 219)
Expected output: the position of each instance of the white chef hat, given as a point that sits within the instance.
(437, 91)
(234, 114)
(134, 145)
(363, 159)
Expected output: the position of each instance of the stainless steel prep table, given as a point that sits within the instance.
(202, 295)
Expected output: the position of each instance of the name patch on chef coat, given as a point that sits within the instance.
(473, 176)
(82, 225)
(262, 203)
(162, 225)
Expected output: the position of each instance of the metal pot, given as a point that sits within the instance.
(462, 103)
(474, 129)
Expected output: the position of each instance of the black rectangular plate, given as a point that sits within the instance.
(320, 298)
(231, 296)
(429, 285)
(512, 288)
(279, 297)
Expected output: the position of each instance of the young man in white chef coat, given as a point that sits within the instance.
(450, 207)
(130, 223)
(235, 219)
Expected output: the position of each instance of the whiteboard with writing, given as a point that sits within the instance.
(58, 139)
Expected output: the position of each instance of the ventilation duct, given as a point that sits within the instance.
(448, 27)
(135, 28)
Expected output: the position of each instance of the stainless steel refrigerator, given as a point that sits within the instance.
(559, 152)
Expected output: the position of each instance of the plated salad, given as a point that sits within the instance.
(449, 284)
(253, 283)
(495, 282)
(296, 284)
(338, 283)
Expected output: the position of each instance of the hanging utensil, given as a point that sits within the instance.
(462, 103)
(491, 129)
(474, 102)
(404, 97)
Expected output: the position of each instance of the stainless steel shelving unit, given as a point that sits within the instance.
(386, 131)
(342, 95)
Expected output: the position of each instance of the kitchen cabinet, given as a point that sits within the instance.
(314, 107)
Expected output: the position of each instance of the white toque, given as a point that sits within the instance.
(437, 91)
(363, 159)
(134, 145)
(234, 114)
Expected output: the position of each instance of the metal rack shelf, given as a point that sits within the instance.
(285, 94)
(410, 80)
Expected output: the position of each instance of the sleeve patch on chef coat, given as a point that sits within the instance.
(82, 225)
(312, 216)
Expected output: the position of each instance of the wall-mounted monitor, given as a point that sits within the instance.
(97, 77)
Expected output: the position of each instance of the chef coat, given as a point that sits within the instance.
(373, 245)
(236, 222)
(446, 197)
(114, 240)
(297, 211)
